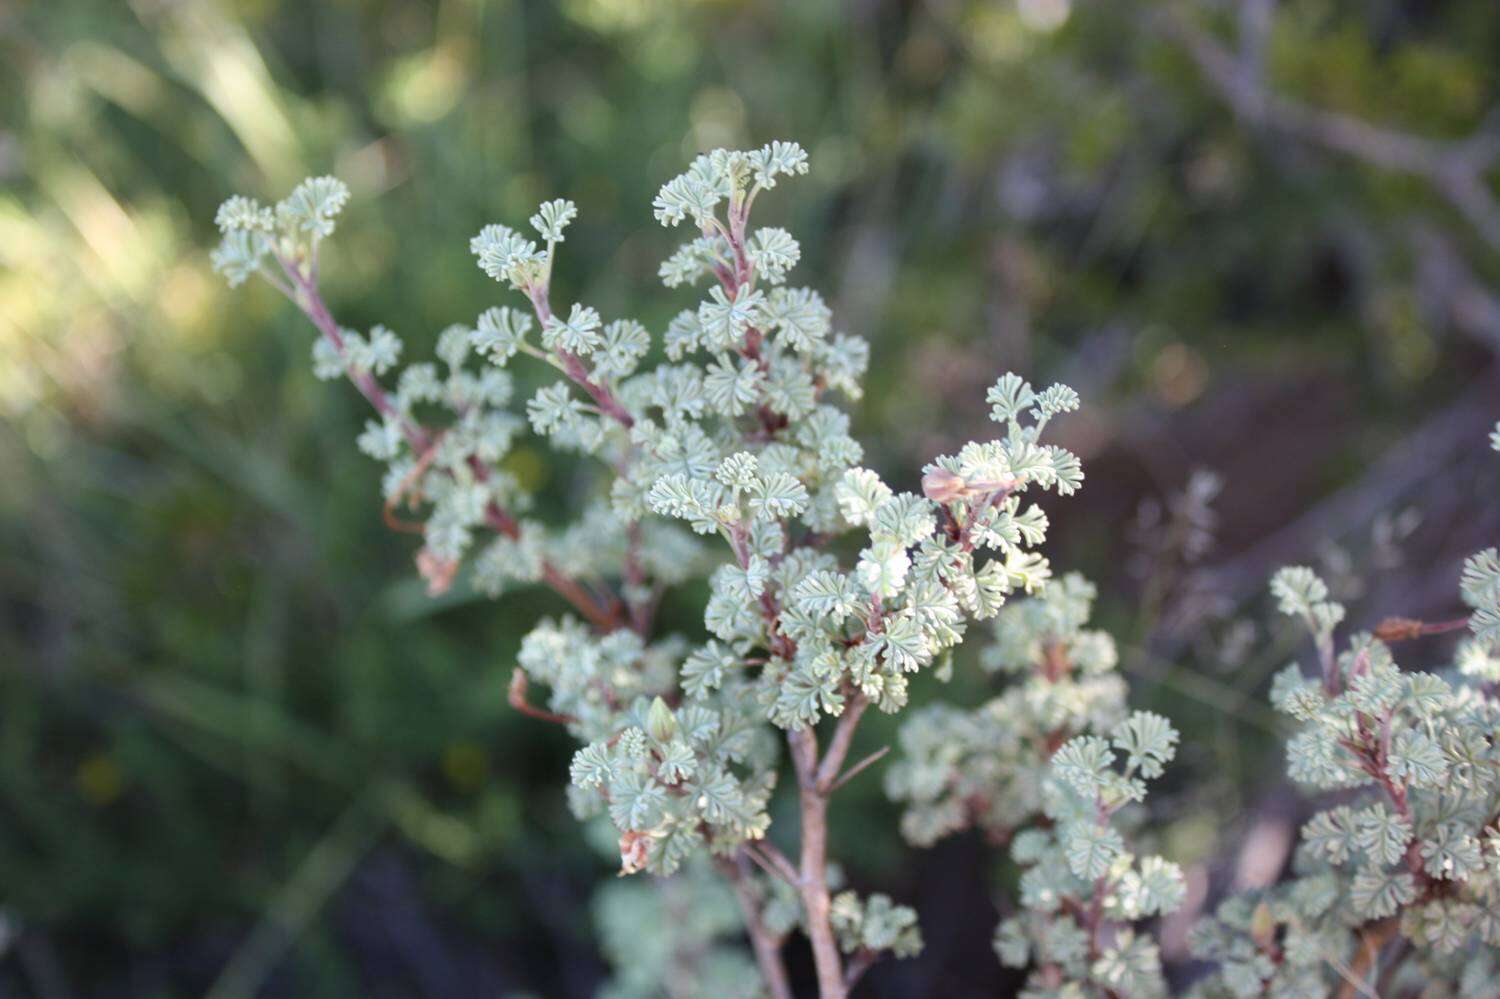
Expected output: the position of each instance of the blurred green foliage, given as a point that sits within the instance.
(222, 692)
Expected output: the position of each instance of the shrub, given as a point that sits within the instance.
(684, 738)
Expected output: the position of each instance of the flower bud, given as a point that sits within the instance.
(660, 722)
(943, 486)
(1263, 925)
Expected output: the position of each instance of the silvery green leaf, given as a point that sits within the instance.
(382, 439)
(241, 213)
(1416, 759)
(312, 206)
(684, 197)
(623, 344)
(1091, 848)
(1148, 740)
(778, 495)
(1081, 762)
(1157, 887)
(706, 667)
(740, 472)
(860, 493)
(789, 390)
(1131, 967)
(905, 645)
(552, 217)
(773, 252)
(499, 332)
(1332, 834)
(882, 568)
(801, 318)
(505, 254)
(326, 360)
(677, 762)
(1451, 854)
(777, 159)
(747, 584)
(693, 261)
(1480, 587)
(1055, 400)
(684, 335)
(904, 519)
(1009, 397)
(1382, 834)
(731, 387)
(1297, 589)
(724, 320)
(1011, 944)
(240, 255)
(827, 593)
(593, 766)
(635, 801)
(578, 334)
(1378, 892)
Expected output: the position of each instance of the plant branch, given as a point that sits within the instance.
(838, 746)
(307, 297)
(1455, 169)
(572, 365)
(516, 696)
(774, 860)
(765, 944)
(858, 965)
(813, 882)
(855, 770)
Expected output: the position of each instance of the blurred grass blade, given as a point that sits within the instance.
(326, 868)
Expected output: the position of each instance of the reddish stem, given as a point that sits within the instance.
(517, 698)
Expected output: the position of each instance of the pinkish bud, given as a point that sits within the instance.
(943, 486)
(438, 572)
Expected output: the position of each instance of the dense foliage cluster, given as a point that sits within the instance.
(1395, 888)
(736, 434)
(1035, 768)
(1411, 851)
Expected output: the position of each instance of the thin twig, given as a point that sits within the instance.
(517, 698)
(407, 482)
(1454, 169)
(858, 965)
(765, 944)
(838, 746)
(854, 771)
(775, 862)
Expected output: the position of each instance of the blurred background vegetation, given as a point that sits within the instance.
(240, 751)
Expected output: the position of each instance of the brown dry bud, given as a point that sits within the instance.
(1398, 629)
(633, 851)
